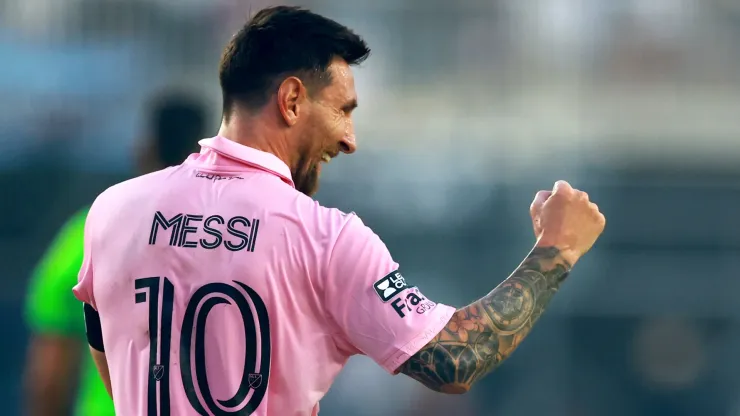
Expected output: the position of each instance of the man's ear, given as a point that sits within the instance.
(291, 96)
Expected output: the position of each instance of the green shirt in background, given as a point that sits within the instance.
(52, 309)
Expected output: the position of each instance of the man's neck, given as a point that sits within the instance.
(255, 133)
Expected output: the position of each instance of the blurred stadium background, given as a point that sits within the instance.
(468, 107)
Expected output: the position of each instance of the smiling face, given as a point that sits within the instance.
(327, 128)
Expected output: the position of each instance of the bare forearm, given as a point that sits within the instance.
(485, 333)
(52, 365)
(102, 364)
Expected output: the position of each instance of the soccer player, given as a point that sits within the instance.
(57, 354)
(220, 287)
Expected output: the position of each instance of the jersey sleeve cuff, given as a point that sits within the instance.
(93, 328)
(443, 315)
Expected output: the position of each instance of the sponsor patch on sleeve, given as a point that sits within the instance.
(414, 301)
(390, 287)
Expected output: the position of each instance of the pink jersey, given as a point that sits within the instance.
(223, 290)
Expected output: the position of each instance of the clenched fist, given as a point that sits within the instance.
(564, 218)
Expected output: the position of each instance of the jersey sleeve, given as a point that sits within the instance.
(83, 290)
(378, 312)
(50, 306)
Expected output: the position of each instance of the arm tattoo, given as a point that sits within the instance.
(482, 335)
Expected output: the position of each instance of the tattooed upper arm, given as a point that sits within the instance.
(482, 335)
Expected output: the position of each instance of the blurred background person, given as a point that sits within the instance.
(57, 353)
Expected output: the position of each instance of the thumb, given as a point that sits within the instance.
(536, 208)
(539, 201)
(562, 186)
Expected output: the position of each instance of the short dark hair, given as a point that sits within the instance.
(283, 41)
(177, 121)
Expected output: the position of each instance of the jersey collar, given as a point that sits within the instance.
(249, 156)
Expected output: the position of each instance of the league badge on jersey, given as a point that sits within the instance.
(158, 372)
(389, 286)
(255, 380)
